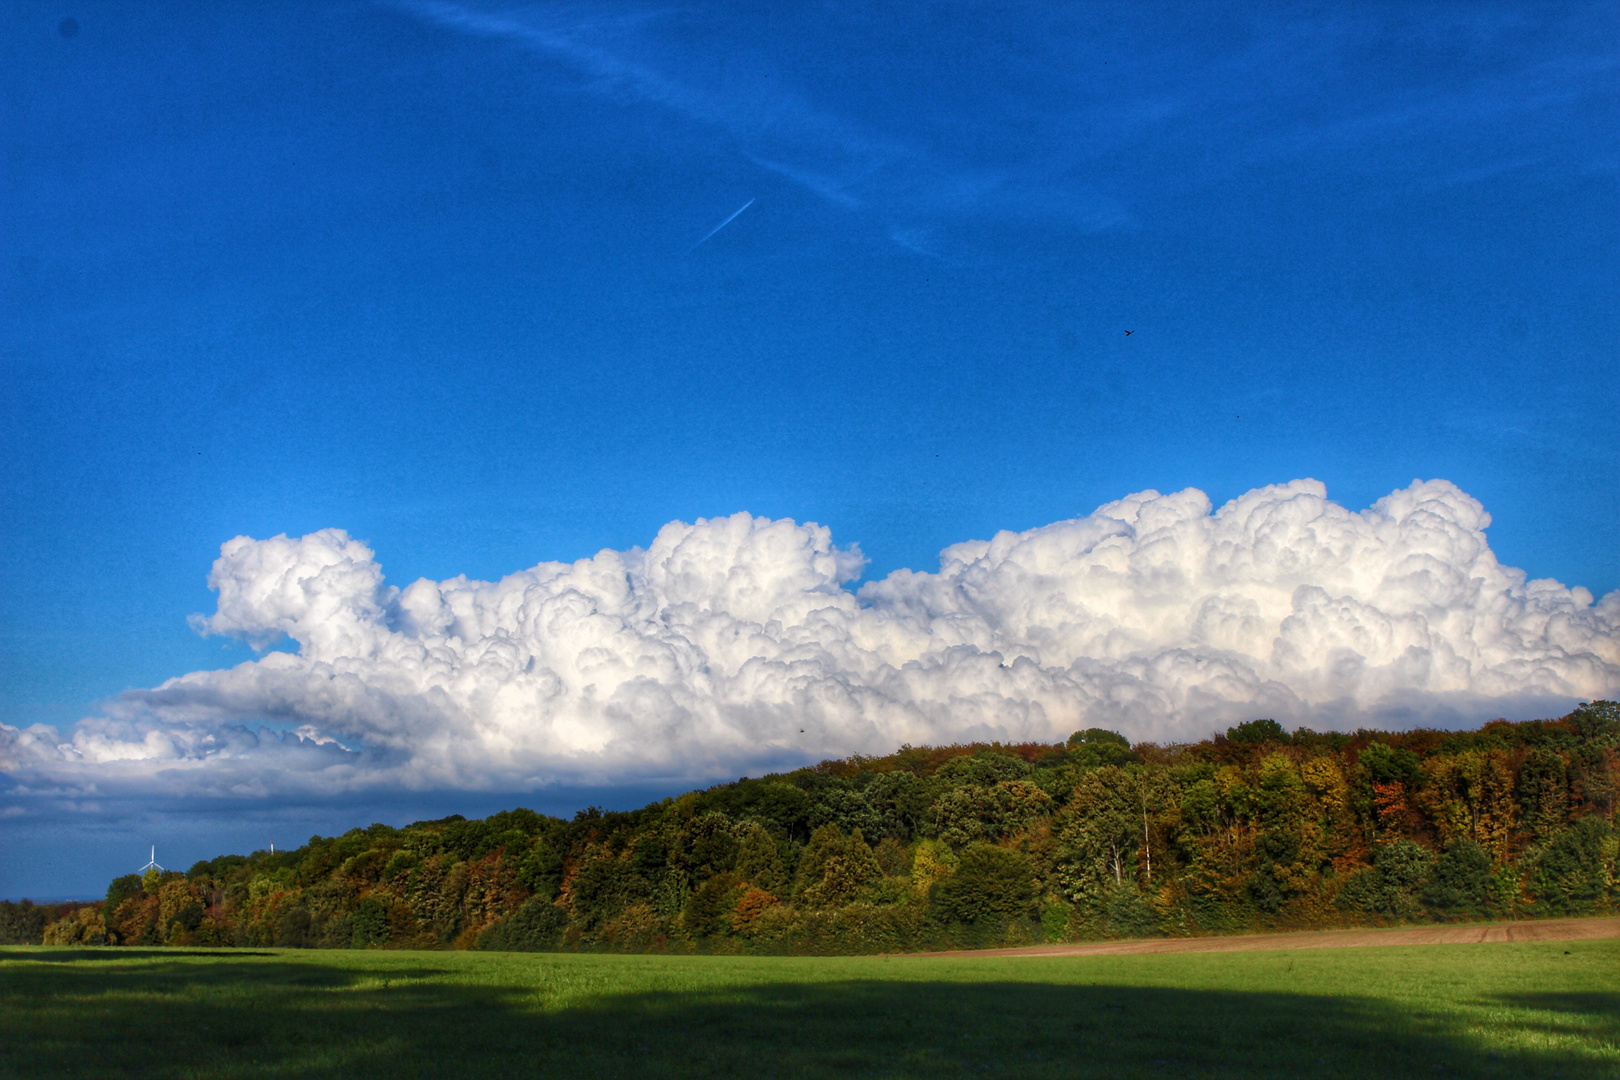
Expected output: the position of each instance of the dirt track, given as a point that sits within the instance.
(1550, 930)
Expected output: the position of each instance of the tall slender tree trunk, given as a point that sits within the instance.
(1147, 843)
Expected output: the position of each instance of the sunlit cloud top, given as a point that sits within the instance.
(735, 643)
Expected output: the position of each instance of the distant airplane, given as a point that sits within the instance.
(1128, 333)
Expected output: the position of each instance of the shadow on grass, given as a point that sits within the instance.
(1593, 1016)
(82, 956)
(292, 1019)
(1597, 1003)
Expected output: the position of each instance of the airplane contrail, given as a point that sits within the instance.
(722, 225)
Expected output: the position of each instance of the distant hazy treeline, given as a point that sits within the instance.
(957, 846)
(24, 923)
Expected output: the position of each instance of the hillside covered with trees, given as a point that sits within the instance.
(959, 846)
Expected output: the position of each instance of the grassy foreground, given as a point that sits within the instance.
(1511, 1010)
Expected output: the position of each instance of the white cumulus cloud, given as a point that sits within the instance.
(736, 643)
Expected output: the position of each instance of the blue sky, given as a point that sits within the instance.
(431, 274)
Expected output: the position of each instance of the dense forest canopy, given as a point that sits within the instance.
(958, 846)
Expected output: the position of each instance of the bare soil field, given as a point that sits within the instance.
(1548, 930)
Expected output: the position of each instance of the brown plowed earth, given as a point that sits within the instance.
(1548, 930)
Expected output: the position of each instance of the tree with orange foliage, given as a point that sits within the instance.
(750, 905)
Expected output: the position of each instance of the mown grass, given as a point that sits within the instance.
(1496, 1010)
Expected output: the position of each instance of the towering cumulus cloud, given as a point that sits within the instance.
(735, 643)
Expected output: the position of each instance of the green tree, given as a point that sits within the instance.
(602, 887)
(370, 925)
(989, 883)
(540, 869)
(1098, 737)
(1257, 731)
(537, 926)
(23, 922)
(835, 869)
(1596, 722)
(1126, 913)
(1461, 883)
(1575, 873)
(708, 845)
(1391, 887)
(1384, 764)
(121, 889)
(968, 813)
(711, 910)
(982, 769)
(759, 861)
(848, 809)
(1543, 790)
(1096, 747)
(294, 924)
(1099, 838)
(1273, 880)
(902, 800)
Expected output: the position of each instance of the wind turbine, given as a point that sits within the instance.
(152, 865)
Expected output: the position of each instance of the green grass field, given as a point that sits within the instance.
(1509, 1010)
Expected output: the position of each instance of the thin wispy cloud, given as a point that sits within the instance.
(1298, 87)
(784, 132)
(1072, 116)
(758, 118)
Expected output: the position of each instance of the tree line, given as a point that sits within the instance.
(957, 847)
(24, 922)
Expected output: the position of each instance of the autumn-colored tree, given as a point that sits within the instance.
(1256, 828)
(179, 906)
(1394, 814)
(1470, 796)
(835, 869)
(1394, 774)
(84, 927)
(750, 906)
(1335, 813)
(135, 921)
(492, 890)
(932, 862)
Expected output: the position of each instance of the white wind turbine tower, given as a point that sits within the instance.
(152, 865)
